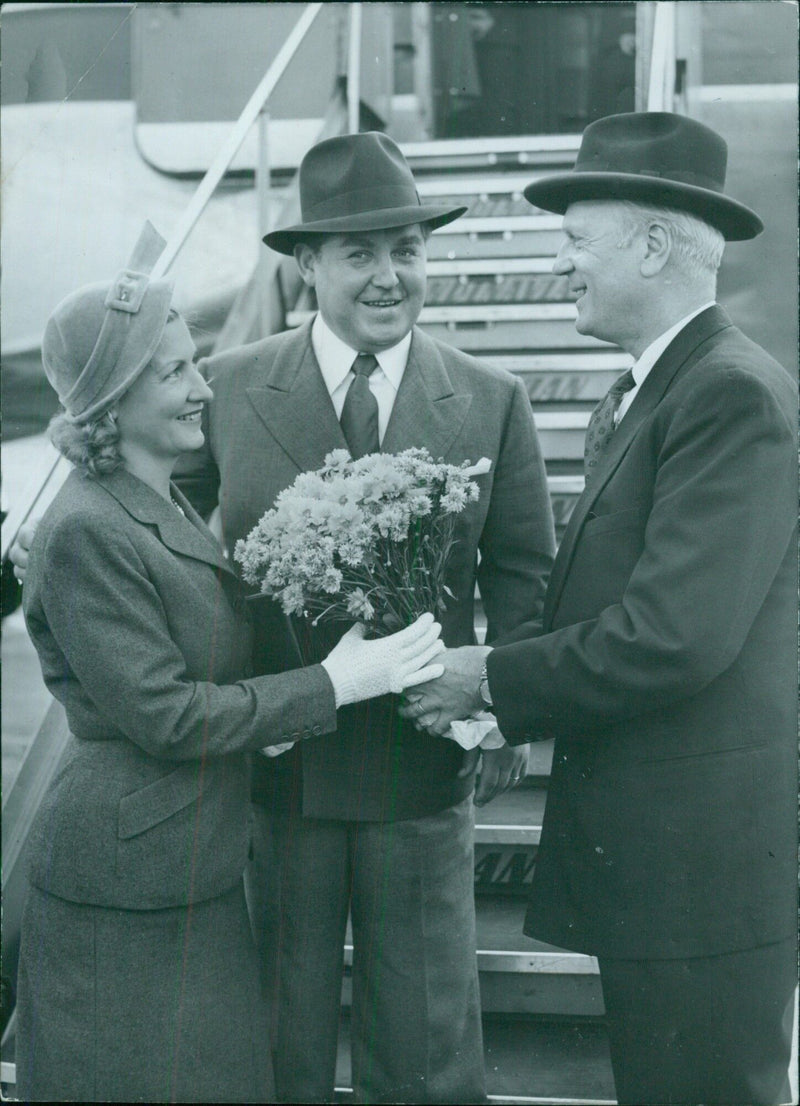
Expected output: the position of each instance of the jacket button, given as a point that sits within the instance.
(296, 736)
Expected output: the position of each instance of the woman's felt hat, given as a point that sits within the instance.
(357, 182)
(99, 338)
(653, 157)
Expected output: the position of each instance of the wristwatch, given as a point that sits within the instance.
(483, 686)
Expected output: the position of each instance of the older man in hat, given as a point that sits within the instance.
(666, 666)
(378, 823)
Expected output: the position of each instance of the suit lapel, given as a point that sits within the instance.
(294, 405)
(185, 534)
(427, 411)
(679, 353)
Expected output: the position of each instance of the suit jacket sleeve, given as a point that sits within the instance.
(196, 473)
(106, 616)
(720, 525)
(517, 544)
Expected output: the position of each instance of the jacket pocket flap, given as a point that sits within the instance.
(630, 517)
(145, 808)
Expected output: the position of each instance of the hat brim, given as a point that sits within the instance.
(733, 219)
(286, 239)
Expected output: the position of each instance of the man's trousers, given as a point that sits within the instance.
(714, 1029)
(408, 886)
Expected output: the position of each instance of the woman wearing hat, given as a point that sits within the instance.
(138, 978)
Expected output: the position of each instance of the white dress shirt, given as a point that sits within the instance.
(335, 359)
(644, 364)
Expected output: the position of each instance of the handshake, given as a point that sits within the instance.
(439, 687)
(444, 691)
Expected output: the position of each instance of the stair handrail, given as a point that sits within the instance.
(219, 166)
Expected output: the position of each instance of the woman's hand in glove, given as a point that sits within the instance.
(360, 669)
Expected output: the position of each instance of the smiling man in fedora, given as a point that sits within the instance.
(666, 664)
(378, 821)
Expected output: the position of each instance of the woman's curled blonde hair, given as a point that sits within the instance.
(93, 446)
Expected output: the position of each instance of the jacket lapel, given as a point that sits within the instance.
(427, 411)
(679, 353)
(293, 403)
(187, 535)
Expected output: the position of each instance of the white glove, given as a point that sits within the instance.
(361, 669)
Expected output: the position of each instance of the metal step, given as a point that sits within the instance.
(498, 242)
(478, 336)
(479, 154)
(503, 948)
(529, 1062)
(562, 434)
(564, 493)
(519, 975)
(485, 199)
(540, 753)
(505, 224)
(478, 185)
(480, 290)
(478, 313)
(514, 818)
(602, 360)
(488, 266)
(574, 378)
(507, 834)
(498, 328)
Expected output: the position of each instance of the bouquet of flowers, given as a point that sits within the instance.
(366, 539)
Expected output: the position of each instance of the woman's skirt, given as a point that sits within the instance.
(141, 1006)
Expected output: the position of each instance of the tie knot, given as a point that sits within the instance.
(623, 384)
(364, 365)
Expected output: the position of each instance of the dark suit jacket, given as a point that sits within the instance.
(142, 634)
(667, 669)
(271, 419)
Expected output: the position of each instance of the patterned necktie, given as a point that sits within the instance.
(359, 419)
(601, 425)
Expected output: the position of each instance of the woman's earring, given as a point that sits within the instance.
(112, 417)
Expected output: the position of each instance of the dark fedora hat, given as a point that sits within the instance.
(654, 157)
(357, 182)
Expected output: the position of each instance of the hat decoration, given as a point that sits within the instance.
(357, 182)
(654, 157)
(99, 338)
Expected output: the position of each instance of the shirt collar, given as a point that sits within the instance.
(644, 364)
(335, 357)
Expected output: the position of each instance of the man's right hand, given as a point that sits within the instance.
(20, 550)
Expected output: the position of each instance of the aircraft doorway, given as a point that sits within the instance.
(530, 68)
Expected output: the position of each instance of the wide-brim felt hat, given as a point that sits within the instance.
(653, 157)
(102, 336)
(357, 182)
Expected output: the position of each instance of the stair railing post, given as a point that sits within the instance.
(262, 190)
(661, 88)
(354, 70)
